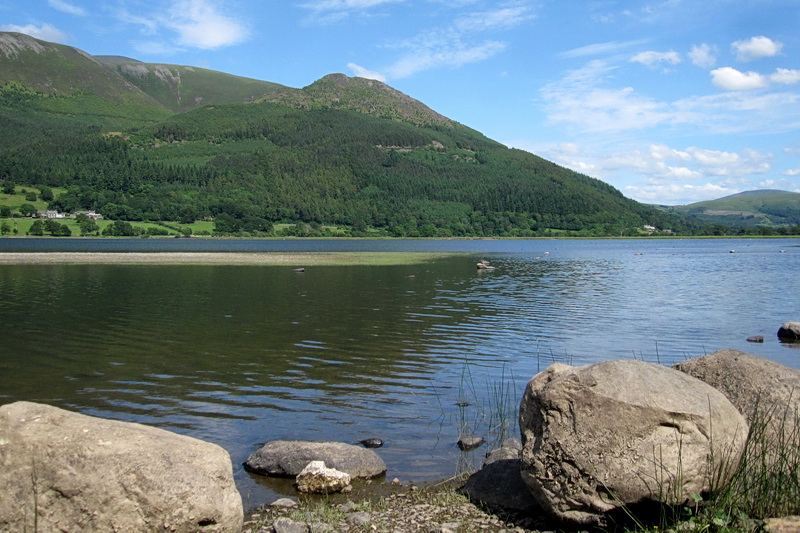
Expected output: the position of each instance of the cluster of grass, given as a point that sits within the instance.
(763, 483)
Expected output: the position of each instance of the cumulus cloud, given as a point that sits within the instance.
(192, 23)
(652, 59)
(786, 76)
(704, 55)
(66, 7)
(361, 72)
(792, 172)
(756, 48)
(200, 24)
(730, 79)
(46, 32)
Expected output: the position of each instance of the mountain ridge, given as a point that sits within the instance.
(169, 142)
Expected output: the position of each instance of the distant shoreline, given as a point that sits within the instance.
(294, 259)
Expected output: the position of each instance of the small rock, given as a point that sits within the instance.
(285, 525)
(756, 338)
(470, 443)
(359, 519)
(788, 524)
(285, 503)
(301, 269)
(318, 479)
(372, 442)
(395, 481)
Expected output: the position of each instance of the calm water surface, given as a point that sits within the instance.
(240, 355)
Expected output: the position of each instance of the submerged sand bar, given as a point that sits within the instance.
(295, 259)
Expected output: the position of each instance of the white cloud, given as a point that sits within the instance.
(677, 193)
(361, 72)
(787, 76)
(196, 24)
(651, 58)
(452, 54)
(704, 55)
(756, 48)
(731, 79)
(200, 24)
(581, 100)
(599, 49)
(456, 45)
(497, 19)
(331, 11)
(46, 32)
(792, 172)
(66, 7)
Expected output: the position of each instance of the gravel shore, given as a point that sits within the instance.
(409, 510)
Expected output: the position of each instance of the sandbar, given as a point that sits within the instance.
(295, 259)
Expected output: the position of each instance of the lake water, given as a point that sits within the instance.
(416, 355)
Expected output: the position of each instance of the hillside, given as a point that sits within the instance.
(165, 142)
(764, 207)
(180, 88)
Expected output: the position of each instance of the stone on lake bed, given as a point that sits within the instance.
(287, 458)
(467, 444)
(789, 331)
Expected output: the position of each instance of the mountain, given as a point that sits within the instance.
(139, 141)
(763, 207)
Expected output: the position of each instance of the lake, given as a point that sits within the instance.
(416, 355)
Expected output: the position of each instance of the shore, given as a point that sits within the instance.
(296, 259)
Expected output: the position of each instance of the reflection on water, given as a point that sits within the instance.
(240, 355)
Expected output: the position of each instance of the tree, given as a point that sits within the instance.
(27, 210)
(5, 211)
(36, 228)
(88, 225)
(8, 187)
(5, 228)
(46, 194)
(31, 197)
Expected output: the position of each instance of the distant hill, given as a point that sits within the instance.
(140, 141)
(763, 207)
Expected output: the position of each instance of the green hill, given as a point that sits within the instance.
(138, 141)
(764, 207)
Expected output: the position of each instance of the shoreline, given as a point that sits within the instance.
(295, 259)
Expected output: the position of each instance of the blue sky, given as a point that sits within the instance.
(670, 101)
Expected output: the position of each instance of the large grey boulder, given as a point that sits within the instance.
(765, 392)
(64, 471)
(751, 383)
(619, 433)
(287, 458)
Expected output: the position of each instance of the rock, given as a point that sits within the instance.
(756, 338)
(615, 433)
(285, 503)
(285, 525)
(467, 444)
(316, 478)
(288, 458)
(750, 383)
(787, 524)
(500, 484)
(359, 518)
(510, 449)
(81, 473)
(789, 332)
(372, 442)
